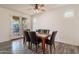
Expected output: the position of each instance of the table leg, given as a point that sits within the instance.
(43, 45)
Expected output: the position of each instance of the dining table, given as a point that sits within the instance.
(43, 36)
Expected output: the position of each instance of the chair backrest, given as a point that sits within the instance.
(39, 30)
(46, 31)
(33, 36)
(26, 34)
(52, 39)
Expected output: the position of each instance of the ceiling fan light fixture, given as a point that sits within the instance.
(36, 11)
(39, 8)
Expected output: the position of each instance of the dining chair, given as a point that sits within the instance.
(51, 41)
(39, 30)
(45, 31)
(34, 39)
(27, 38)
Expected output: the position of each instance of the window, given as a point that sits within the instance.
(69, 13)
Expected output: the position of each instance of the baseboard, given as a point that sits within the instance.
(67, 43)
(16, 38)
(5, 43)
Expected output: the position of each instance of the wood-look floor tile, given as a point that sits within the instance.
(17, 47)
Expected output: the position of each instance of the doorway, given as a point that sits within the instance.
(18, 25)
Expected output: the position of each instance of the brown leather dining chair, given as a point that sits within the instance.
(46, 31)
(27, 38)
(34, 39)
(51, 41)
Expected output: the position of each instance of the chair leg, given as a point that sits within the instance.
(54, 46)
(50, 48)
(36, 48)
(29, 45)
(47, 45)
(24, 40)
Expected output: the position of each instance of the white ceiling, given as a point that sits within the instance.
(28, 8)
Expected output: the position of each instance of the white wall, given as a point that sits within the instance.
(5, 18)
(67, 27)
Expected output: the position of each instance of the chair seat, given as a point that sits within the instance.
(28, 40)
(39, 39)
(48, 42)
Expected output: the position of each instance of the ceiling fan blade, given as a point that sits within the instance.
(36, 6)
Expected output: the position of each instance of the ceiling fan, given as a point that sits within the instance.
(36, 8)
(39, 8)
